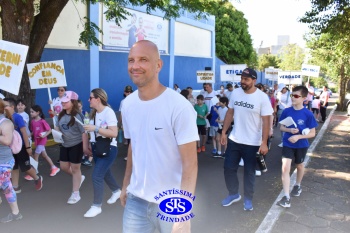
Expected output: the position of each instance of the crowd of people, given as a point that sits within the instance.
(238, 121)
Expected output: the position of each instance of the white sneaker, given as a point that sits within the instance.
(115, 196)
(93, 211)
(73, 199)
(257, 173)
(126, 158)
(219, 152)
(241, 163)
(82, 180)
(281, 144)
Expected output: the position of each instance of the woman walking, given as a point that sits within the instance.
(6, 164)
(103, 128)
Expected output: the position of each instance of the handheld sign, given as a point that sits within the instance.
(290, 77)
(205, 76)
(231, 73)
(310, 70)
(47, 74)
(12, 60)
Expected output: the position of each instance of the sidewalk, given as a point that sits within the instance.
(324, 205)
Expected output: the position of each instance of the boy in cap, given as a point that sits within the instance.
(251, 111)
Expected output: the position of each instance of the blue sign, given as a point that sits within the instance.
(175, 206)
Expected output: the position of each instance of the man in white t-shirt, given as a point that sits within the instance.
(210, 93)
(251, 110)
(162, 156)
(310, 95)
(229, 91)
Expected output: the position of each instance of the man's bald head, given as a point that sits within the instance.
(149, 45)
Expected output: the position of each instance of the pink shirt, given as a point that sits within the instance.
(38, 127)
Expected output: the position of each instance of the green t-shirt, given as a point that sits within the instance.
(202, 111)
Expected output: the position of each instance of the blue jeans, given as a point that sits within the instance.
(102, 172)
(233, 155)
(141, 216)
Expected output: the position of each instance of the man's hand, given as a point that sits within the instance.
(182, 227)
(263, 149)
(123, 197)
(223, 139)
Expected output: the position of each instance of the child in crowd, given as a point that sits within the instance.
(316, 103)
(223, 102)
(87, 160)
(202, 113)
(40, 130)
(21, 107)
(75, 142)
(295, 142)
(213, 132)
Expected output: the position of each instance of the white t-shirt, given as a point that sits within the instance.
(228, 94)
(285, 101)
(25, 117)
(309, 96)
(248, 110)
(207, 99)
(222, 113)
(316, 103)
(156, 128)
(57, 105)
(103, 119)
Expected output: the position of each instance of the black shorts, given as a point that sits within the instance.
(315, 110)
(22, 160)
(227, 132)
(297, 153)
(72, 154)
(202, 130)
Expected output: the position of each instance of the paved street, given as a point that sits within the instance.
(47, 210)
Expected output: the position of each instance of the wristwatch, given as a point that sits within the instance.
(96, 129)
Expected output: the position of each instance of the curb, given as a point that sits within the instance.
(275, 211)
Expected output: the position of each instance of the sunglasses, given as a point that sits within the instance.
(92, 97)
(295, 96)
(61, 90)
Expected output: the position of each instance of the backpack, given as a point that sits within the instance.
(16, 144)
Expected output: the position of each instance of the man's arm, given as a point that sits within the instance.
(227, 123)
(265, 134)
(189, 166)
(127, 176)
(26, 140)
(189, 178)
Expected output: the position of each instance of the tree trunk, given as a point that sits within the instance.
(20, 26)
(342, 88)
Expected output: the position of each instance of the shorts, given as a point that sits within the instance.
(297, 153)
(72, 154)
(227, 132)
(315, 110)
(22, 160)
(213, 131)
(202, 130)
(39, 149)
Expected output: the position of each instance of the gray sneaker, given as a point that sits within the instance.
(296, 191)
(11, 217)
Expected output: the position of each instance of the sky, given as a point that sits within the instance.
(269, 18)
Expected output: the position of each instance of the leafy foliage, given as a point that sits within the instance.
(292, 57)
(233, 41)
(267, 60)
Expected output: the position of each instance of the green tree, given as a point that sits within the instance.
(267, 60)
(232, 39)
(19, 25)
(292, 57)
(329, 53)
(330, 24)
